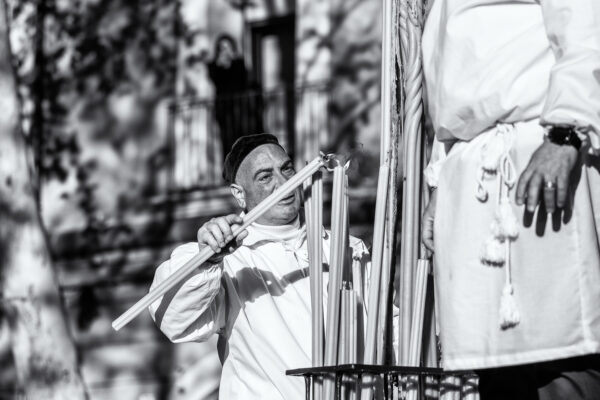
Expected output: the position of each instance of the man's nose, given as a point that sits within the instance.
(280, 179)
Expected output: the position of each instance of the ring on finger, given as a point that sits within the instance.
(549, 185)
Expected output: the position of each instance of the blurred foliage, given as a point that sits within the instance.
(75, 57)
(91, 74)
(355, 39)
(91, 50)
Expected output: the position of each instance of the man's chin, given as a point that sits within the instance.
(286, 213)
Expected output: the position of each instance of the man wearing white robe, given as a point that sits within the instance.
(513, 91)
(256, 295)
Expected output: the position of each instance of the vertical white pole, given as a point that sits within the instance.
(410, 27)
(317, 305)
(389, 156)
(416, 334)
(375, 279)
(335, 275)
(316, 295)
(379, 279)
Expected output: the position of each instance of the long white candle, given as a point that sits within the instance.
(353, 327)
(451, 388)
(416, 333)
(374, 285)
(335, 276)
(318, 249)
(207, 252)
(314, 216)
(347, 268)
(335, 268)
(386, 260)
(375, 277)
(311, 230)
(317, 269)
(353, 342)
(343, 343)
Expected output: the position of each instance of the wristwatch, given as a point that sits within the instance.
(564, 135)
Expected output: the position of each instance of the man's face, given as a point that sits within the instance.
(264, 170)
(226, 54)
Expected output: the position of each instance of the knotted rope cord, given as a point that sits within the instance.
(509, 313)
(497, 161)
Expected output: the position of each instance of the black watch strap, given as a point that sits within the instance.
(564, 135)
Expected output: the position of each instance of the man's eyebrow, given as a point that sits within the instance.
(286, 163)
(268, 169)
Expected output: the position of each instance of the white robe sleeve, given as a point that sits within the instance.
(573, 29)
(194, 310)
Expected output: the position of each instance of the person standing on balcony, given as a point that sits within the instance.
(254, 293)
(237, 105)
(514, 97)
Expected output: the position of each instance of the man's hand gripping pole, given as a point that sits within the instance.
(207, 252)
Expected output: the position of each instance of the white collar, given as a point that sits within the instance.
(279, 233)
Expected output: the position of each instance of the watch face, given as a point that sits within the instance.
(564, 136)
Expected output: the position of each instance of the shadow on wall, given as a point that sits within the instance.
(92, 99)
(354, 40)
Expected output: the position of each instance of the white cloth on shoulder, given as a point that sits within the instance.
(258, 302)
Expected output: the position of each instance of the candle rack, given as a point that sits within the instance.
(395, 382)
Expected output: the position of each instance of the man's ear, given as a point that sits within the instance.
(238, 192)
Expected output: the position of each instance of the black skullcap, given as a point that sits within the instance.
(240, 149)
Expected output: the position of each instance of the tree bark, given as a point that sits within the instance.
(44, 354)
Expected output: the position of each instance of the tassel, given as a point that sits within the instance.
(493, 252)
(497, 230)
(495, 160)
(491, 153)
(480, 192)
(509, 313)
(505, 225)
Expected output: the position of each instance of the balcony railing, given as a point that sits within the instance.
(200, 128)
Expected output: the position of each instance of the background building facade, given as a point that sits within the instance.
(129, 143)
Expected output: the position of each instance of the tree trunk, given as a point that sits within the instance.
(43, 351)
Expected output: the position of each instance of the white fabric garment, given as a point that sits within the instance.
(258, 302)
(490, 61)
(521, 64)
(555, 265)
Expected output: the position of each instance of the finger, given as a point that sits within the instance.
(549, 196)
(522, 186)
(533, 192)
(428, 233)
(209, 240)
(238, 241)
(215, 230)
(562, 189)
(234, 219)
(225, 228)
(205, 238)
(428, 242)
